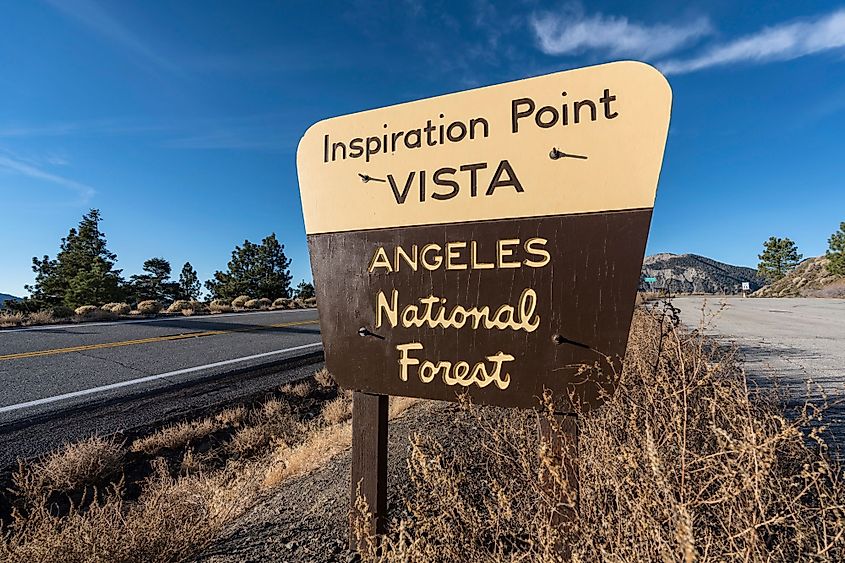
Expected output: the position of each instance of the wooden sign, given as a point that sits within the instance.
(488, 241)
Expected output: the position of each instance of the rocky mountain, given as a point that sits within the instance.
(6, 297)
(810, 279)
(690, 273)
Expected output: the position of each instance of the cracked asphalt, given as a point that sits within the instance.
(798, 343)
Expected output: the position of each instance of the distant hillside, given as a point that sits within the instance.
(690, 273)
(6, 297)
(809, 279)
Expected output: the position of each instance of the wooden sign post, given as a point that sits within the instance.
(486, 242)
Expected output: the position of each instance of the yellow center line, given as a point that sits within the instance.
(180, 336)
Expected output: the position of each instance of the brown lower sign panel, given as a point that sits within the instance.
(498, 309)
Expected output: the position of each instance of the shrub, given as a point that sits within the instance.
(264, 303)
(180, 305)
(62, 312)
(74, 465)
(281, 303)
(220, 306)
(149, 307)
(251, 304)
(85, 310)
(121, 309)
(310, 302)
(239, 301)
(117, 308)
(92, 313)
(295, 304)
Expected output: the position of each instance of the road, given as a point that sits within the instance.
(788, 340)
(63, 382)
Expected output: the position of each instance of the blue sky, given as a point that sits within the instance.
(179, 120)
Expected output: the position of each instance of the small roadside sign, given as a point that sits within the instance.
(746, 286)
(650, 280)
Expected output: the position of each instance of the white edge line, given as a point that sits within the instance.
(13, 330)
(136, 381)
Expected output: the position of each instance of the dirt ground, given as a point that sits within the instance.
(305, 519)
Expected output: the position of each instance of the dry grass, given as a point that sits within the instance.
(185, 503)
(324, 378)
(271, 425)
(685, 463)
(175, 436)
(232, 417)
(40, 318)
(171, 521)
(321, 445)
(8, 319)
(78, 464)
(298, 389)
(337, 411)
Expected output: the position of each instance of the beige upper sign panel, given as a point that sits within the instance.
(579, 141)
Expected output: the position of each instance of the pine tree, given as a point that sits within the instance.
(154, 283)
(779, 257)
(836, 251)
(83, 271)
(304, 290)
(256, 270)
(189, 283)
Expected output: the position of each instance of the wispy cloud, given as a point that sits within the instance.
(16, 165)
(92, 15)
(570, 31)
(777, 43)
(261, 132)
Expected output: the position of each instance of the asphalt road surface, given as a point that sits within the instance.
(64, 382)
(791, 341)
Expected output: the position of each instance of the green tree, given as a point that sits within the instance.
(154, 283)
(189, 283)
(836, 251)
(83, 271)
(779, 257)
(256, 270)
(304, 290)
